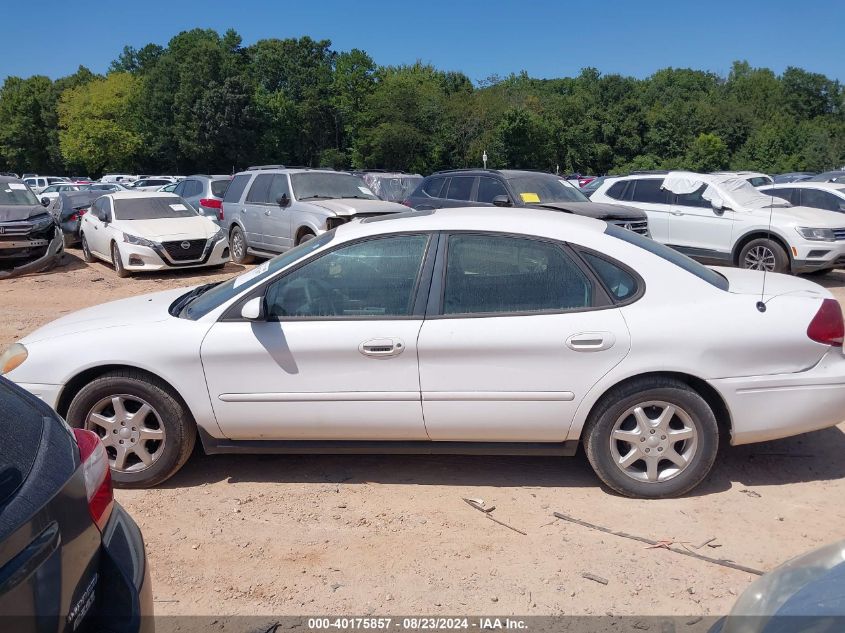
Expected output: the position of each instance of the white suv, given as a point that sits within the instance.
(723, 219)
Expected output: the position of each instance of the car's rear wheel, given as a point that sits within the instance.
(764, 254)
(148, 433)
(86, 251)
(652, 438)
(117, 262)
(237, 240)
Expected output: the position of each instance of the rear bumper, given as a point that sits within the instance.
(781, 405)
(125, 598)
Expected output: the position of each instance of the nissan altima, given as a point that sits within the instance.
(459, 331)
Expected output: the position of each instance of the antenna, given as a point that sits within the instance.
(761, 304)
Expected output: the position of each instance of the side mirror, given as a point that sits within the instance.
(45, 202)
(501, 201)
(283, 200)
(253, 310)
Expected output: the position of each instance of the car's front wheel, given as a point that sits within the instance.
(147, 431)
(117, 261)
(652, 438)
(764, 254)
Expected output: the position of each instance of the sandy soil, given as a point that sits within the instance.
(391, 535)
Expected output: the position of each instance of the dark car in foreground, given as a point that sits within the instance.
(68, 210)
(30, 240)
(71, 558)
(804, 595)
(517, 188)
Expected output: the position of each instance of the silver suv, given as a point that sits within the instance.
(271, 208)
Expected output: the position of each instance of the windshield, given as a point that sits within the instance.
(16, 193)
(393, 188)
(545, 188)
(670, 255)
(219, 294)
(157, 208)
(314, 184)
(744, 194)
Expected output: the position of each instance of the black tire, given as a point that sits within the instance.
(614, 405)
(117, 262)
(86, 252)
(305, 237)
(762, 251)
(238, 246)
(180, 430)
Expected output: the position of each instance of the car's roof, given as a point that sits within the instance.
(832, 186)
(741, 173)
(527, 221)
(9, 179)
(126, 195)
(506, 173)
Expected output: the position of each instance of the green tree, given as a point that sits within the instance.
(707, 152)
(96, 124)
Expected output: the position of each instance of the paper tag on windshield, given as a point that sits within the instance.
(250, 275)
(178, 207)
(366, 191)
(529, 197)
(17, 185)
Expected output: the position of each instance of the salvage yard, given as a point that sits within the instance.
(391, 535)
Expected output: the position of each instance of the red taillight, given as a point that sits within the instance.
(95, 468)
(212, 203)
(77, 215)
(827, 326)
(406, 202)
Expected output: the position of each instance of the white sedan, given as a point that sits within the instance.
(458, 331)
(146, 231)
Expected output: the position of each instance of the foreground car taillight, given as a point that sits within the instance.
(827, 326)
(95, 468)
(77, 215)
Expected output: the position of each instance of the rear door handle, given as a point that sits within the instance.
(382, 347)
(591, 341)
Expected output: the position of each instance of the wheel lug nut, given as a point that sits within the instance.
(662, 437)
(114, 431)
(652, 431)
(647, 450)
(659, 448)
(121, 441)
(134, 429)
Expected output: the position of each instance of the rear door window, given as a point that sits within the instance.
(693, 199)
(790, 194)
(260, 189)
(433, 187)
(649, 190)
(460, 188)
(617, 190)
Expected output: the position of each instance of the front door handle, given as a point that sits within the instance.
(591, 341)
(677, 213)
(382, 347)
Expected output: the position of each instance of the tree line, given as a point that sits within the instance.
(207, 103)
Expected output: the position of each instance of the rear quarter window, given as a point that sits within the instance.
(21, 425)
(218, 187)
(236, 188)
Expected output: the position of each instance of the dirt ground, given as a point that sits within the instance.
(391, 535)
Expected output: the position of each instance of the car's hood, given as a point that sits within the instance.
(192, 228)
(354, 206)
(135, 310)
(807, 216)
(750, 282)
(597, 210)
(17, 212)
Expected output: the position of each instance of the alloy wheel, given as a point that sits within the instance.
(760, 258)
(237, 244)
(131, 430)
(653, 441)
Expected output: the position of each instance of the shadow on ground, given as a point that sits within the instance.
(811, 457)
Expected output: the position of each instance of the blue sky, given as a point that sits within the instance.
(480, 38)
